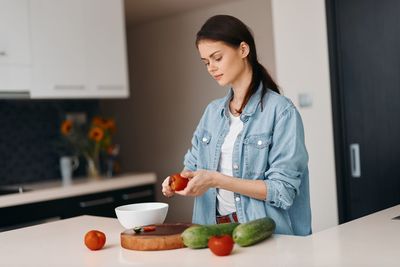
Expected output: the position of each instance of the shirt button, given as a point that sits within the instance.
(204, 139)
(235, 166)
(237, 199)
(259, 142)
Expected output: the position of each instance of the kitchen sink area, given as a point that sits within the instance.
(5, 190)
(38, 186)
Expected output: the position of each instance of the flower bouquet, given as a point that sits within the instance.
(90, 140)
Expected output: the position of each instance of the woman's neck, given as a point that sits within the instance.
(240, 88)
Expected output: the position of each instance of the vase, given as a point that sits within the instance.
(92, 168)
(67, 166)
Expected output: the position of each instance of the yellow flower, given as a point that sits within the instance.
(66, 127)
(96, 133)
(100, 122)
(110, 125)
(106, 124)
(88, 140)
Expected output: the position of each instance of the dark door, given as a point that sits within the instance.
(364, 44)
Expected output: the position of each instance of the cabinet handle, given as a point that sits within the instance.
(145, 193)
(69, 87)
(96, 202)
(3, 53)
(355, 160)
(110, 87)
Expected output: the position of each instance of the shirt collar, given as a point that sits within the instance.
(250, 107)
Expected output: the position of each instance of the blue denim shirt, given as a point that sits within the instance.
(270, 148)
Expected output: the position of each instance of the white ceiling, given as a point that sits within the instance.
(140, 11)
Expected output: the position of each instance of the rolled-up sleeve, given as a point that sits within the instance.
(287, 160)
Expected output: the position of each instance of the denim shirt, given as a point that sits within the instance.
(270, 148)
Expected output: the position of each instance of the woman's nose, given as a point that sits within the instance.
(212, 67)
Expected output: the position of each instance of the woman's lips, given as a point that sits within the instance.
(218, 77)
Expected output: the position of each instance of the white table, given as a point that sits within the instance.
(373, 240)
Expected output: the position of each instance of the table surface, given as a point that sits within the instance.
(369, 241)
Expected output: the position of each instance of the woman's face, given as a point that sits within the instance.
(225, 64)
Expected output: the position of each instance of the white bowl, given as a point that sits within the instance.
(140, 214)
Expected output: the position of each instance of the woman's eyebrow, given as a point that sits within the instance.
(211, 54)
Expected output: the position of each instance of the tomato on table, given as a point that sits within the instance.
(95, 239)
(221, 245)
(177, 182)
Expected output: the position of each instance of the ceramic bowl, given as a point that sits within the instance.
(140, 214)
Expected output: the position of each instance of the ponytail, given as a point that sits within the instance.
(260, 74)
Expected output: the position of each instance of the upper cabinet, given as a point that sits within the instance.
(106, 60)
(58, 49)
(77, 47)
(15, 58)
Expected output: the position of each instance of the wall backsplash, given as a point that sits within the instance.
(28, 133)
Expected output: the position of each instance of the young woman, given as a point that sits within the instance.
(248, 159)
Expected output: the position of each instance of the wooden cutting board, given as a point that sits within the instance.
(166, 236)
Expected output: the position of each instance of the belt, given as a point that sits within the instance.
(229, 218)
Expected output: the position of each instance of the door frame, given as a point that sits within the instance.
(338, 111)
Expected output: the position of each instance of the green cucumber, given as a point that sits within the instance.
(197, 236)
(252, 232)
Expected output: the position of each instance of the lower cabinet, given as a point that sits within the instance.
(97, 204)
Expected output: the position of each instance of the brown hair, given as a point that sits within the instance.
(232, 31)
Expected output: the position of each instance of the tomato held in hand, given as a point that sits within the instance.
(221, 245)
(177, 182)
(95, 240)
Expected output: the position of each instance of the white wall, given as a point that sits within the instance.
(301, 55)
(170, 88)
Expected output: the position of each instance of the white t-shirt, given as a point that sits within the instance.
(225, 199)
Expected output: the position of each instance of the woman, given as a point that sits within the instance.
(248, 158)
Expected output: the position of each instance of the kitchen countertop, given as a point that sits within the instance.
(49, 190)
(369, 241)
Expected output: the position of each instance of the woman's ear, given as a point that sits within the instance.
(244, 49)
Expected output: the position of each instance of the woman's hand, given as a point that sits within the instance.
(199, 182)
(166, 189)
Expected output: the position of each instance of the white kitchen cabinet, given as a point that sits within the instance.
(15, 60)
(106, 54)
(78, 49)
(58, 49)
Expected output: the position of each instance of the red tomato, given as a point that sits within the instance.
(95, 240)
(177, 182)
(149, 228)
(221, 245)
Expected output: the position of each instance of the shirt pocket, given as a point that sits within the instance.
(205, 153)
(256, 151)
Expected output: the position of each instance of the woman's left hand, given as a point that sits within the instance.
(199, 182)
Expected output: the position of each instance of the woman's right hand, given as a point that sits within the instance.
(166, 189)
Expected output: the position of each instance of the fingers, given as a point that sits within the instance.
(188, 174)
(166, 189)
(190, 190)
(166, 182)
(185, 192)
